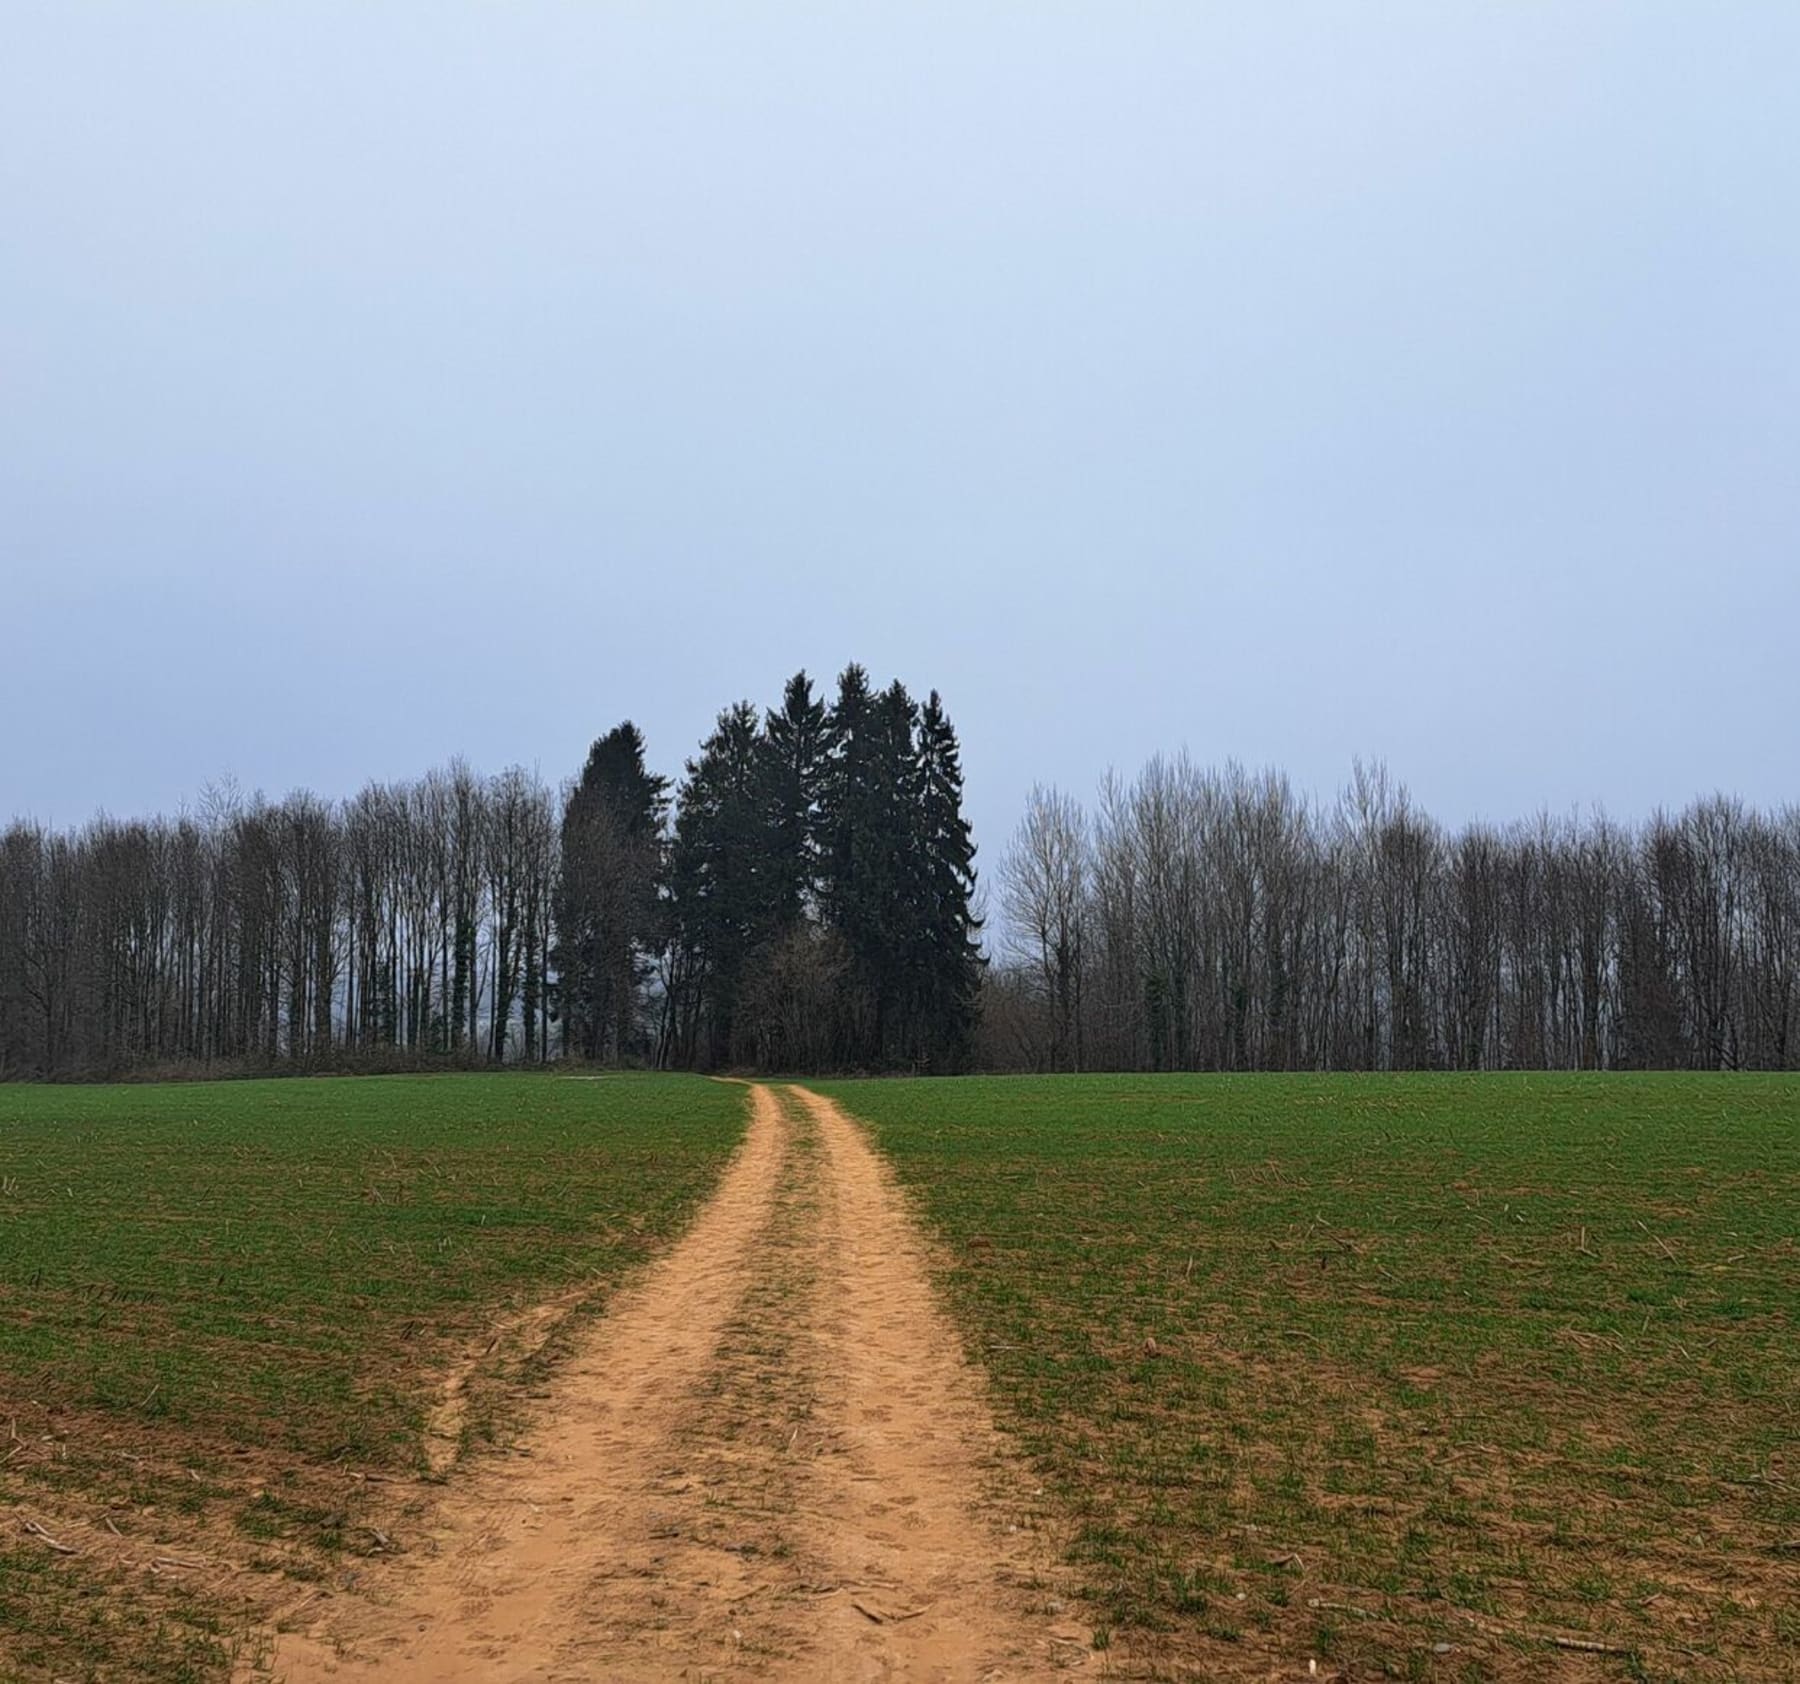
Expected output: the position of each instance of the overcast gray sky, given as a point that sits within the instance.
(387, 381)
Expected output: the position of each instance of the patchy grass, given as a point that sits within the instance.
(227, 1309)
(1447, 1367)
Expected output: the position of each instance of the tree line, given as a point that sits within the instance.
(1212, 919)
(804, 898)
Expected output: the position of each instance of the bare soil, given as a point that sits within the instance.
(768, 1459)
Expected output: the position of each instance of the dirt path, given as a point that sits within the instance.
(768, 1460)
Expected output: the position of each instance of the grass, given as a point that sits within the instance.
(231, 1306)
(1446, 1367)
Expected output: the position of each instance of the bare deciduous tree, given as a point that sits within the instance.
(1045, 894)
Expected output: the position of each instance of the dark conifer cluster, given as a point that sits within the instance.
(820, 886)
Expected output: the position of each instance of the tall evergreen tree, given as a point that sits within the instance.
(845, 799)
(722, 889)
(897, 886)
(850, 846)
(606, 894)
(950, 957)
(796, 750)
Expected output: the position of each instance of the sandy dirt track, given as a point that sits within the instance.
(769, 1459)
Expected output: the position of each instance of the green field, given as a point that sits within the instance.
(1470, 1361)
(1451, 1374)
(225, 1305)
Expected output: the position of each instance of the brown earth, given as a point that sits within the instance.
(769, 1459)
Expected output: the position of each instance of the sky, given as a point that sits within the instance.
(1287, 382)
